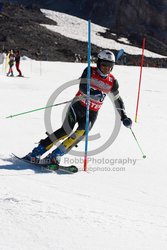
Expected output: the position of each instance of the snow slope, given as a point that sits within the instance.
(76, 28)
(119, 203)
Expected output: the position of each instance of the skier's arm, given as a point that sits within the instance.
(119, 104)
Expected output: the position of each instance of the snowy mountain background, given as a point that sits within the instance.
(27, 30)
(120, 202)
(133, 19)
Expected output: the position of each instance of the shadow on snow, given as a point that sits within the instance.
(17, 164)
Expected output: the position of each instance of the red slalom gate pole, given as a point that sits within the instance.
(141, 67)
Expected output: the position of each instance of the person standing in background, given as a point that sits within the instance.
(11, 63)
(17, 61)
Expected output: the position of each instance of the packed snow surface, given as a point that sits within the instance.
(119, 203)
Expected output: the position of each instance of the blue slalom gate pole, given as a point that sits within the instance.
(88, 97)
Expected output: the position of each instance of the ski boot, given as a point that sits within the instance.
(34, 156)
(55, 156)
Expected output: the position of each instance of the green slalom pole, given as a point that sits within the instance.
(34, 110)
(144, 156)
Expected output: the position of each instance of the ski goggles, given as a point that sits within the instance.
(106, 63)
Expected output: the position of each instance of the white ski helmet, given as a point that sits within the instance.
(105, 57)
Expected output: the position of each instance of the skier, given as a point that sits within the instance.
(17, 60)
(101, 83)
(11, 63)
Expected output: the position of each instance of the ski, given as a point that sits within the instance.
(50, 166)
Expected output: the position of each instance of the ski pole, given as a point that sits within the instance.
(144, 156)
(34, 110)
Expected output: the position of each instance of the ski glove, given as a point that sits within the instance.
(96, 94)
(127, 122)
